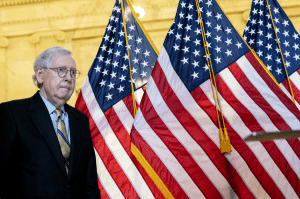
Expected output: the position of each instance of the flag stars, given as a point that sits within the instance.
(119, 43)
(186, 49)
(124, 67)
(179, 25)
(176, 47)
(209, 3)
(189, 17)
(135, 60)
(129, 37)
(276, 20)
(113, 74)
(198, 31)
(132, 27)
(286, 43)
(197, 42)
(286, 54)
(181, 15)
(146, 53)
(117, 53)
(205, 67)
(188, 27)
(259, 53)
(278, 71)
(186, 39)
(195, 75)
(185, 60)
(260, 43)
(218, 38)
(137, 50)
(106, 37)
(296, 36)
(107, 61)
(133, 70)
(115, 64)
(145, 63)
(269, 25)
(228, 52)
(239, 45)
(228, 41)
(285, 23)
(97, 69)
(269, 57)
(218, 27)
(196, 53)
(228, 30)
(208, 14)
(102, 83)
(121, 33)
(218, 16)
(269, 67)
(260, 32)
(121, 89)
(190, 6)
(109, 96)
(100, 58)
(251, 41)
(139, 40)
(261, 22)
(288, 64)
(218, 60)
(278, 60)
(296, 57)
(122, 78)
(253, 21)
(178, 36)
(269, 36)
(296, 46)
(269, 46)
(112, 40)
(171, 31)
(144, 74)
(276, 10)
(105, 72)
(218, 49)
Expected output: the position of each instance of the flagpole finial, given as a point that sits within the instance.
(225, 145)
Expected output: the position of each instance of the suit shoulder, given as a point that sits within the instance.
(77, 112)
(16, 104)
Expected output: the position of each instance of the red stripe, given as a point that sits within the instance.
(108, 159)
(157, 165)
(102, 190)
(259, 100)
(254, 126)
(179, 151)
(296, 91)
(192, 127)
(129, 104)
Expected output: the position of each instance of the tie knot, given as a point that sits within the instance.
(58, 112)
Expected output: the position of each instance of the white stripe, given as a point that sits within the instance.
(113, 143)
(267, 94)
(106, 180)
(267, 125)
(180, 133)
(166, 157)
(295, 78)
(288, 94)
(124, 115)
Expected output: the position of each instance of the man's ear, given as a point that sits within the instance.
(39, 75)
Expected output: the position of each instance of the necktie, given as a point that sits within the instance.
(63, 138)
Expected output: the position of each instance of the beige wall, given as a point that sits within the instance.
(27, 27)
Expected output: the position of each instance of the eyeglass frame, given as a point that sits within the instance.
(66, 72)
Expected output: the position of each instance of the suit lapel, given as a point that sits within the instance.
(42, 120)
(75, 137)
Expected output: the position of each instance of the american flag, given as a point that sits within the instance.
(260, 35)
(106, 97)
(176, 128)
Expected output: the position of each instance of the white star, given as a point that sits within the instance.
(197, 42)
(121, 33)
(135, 60)
(121, 88)
(246, 28)
(208, 24)
(296, 46)
(186, 39)
(137, 50)
(260, 53)
(178, 36)
(179, 25)
(261, 13)
(239, 45)
(110, 51)
(183, 4)
(251, 42)
(100, 58)
(269, 25)
(260, 32)
(228, 41)
(181, 15)
(198, 31)
(208, 34)
(218, 16)
(286, 33)
(171, 31)
(112, 40)
(218, 27)
(209, 3)
(146, 53)
(277, 30)
(276, 20)
(133, 70)
(176, 47)
(107, 61)
(185, 60)
(277, 50)
(190, 6)
(102, 83)
(269, 46)
(252, 32)
(276, 10)
(269, 36)
(145, 63)
(106, 37)
(269, 67)
(218, 60)
(228, 52)
(285, 23)
(218, 38)
(261, 22)
(118, 53)
(228, 30)
(119, 43)
(109, 27)
(105, 72)
(260, 43)
(218, 49)
(144, 74)
(296, 36)
(125, 57)
(195, 75)
(286, 43)
(139, 40)
(186, 49)
(205, 67)
(188, 27)
(296, 57)
(129, 37)
(287, 54)
(253, 21)
(269, 57)
(189, 17)
(109, 96)
(288, 64)
(115, 64)
(131, 27)
(278, 71)
(122, 78)
(97, 69)
(254, 11)
(112, 18)
(208, 14)
(278, 60)
(196, 53)
(113, 74)
(103, 48)
(114, 30)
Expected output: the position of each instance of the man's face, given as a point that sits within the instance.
(56, 89)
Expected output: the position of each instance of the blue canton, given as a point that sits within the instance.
(109, 74)
(184, 43)
(260, 35)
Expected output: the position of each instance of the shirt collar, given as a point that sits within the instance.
(50, 106)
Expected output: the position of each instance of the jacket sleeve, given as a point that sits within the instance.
(7, 142)
(92, 190)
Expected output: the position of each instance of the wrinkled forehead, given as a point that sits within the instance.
(65, 61)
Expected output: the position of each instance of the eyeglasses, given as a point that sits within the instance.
(62, 72)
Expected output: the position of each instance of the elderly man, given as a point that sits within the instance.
(46, 148)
